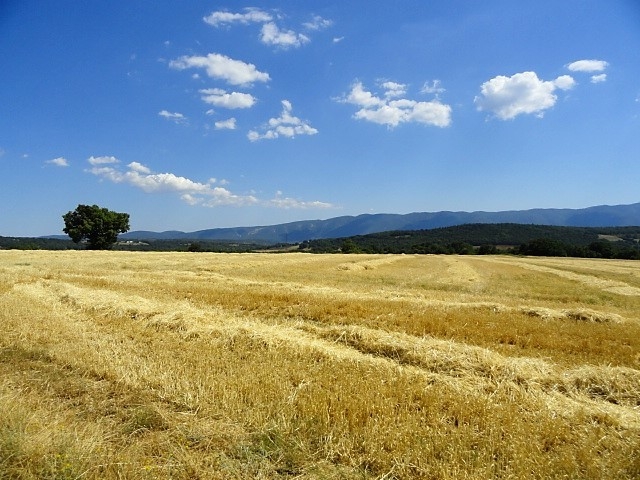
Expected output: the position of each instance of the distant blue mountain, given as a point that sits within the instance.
(346, 226)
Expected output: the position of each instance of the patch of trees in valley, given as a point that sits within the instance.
(509, 238)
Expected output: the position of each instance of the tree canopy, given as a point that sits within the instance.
(98, 226)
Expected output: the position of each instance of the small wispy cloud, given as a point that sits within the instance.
(58, 162)
(174, 117)
(271, 34)
(230, 100)
(280, 201)
(317, 23)
(250, 15)
(591, 66)
(394, 89)
(221, 67)
(229, 124)
(434, 87)
(588, 66)
(103, 160)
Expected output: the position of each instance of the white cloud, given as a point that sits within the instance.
(229, 124)
(140, 176)
(272, 35)
(286, 125)
(174, 117)
(140, 168)
(434, 87)
(224, 99)
(234, 72)
(522, 93)
(359, 96)
(191, 192)
(270, 32)
(588, 66)
(250, 15)
(279, 201)
(391, 112)
(102, 160)
(394, 89)
(337, 39)
(318, 23)
(58, 162)
(564, 82)
(602, 77)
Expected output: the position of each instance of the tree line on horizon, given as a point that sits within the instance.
(487, 239)
(97, 228)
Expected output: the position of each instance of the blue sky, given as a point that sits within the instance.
(201, 114)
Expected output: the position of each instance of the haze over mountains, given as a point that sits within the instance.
(345, 226)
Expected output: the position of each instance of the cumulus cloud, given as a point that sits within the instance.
(231, 100)
(191, 192)
(174, 117)
(286, 125)
(601, 77)
(229, 124)
(588, 66)
(271, 34)
(391, 111)
(522, 93)
(58, 162)
(221, 67)
(250, 15)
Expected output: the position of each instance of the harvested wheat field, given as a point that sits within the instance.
(234, 366)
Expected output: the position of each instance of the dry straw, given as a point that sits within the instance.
(155, 365)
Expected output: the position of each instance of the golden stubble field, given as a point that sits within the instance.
(198, 366)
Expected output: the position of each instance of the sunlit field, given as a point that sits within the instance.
(236, 366)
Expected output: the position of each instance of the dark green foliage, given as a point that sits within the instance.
(25, 243)
(349, 246)
(98, 226)
(544, 247)
(488, 239)
(194, 247)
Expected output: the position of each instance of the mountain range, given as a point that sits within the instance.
(347, 226)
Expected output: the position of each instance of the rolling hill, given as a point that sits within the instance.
(347, 226)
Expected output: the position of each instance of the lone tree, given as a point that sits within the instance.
(99, 226)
